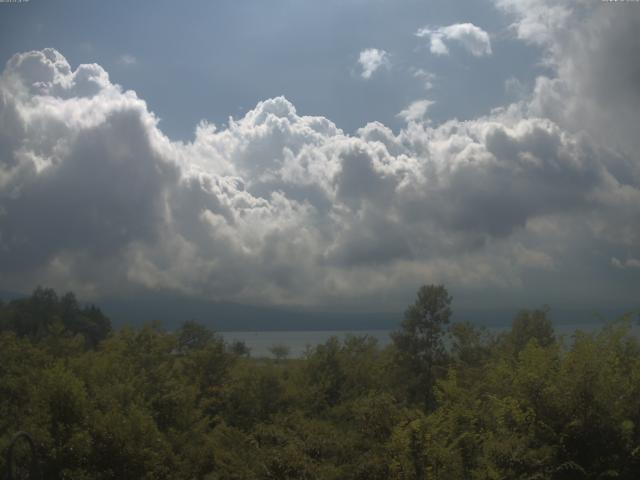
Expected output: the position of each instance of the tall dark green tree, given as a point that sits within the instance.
(193, 336)
(420, 345)
(531, 325)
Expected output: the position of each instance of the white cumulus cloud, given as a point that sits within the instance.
(415, 111)
(371, 60)
(472, 38)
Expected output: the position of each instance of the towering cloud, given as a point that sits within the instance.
(284, 208)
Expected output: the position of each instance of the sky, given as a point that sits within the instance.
(330, 155)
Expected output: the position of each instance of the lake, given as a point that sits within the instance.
(297, 341)
(260, 342)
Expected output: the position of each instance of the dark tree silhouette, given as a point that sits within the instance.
(419, 344)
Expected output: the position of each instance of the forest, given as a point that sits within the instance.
(444, 400)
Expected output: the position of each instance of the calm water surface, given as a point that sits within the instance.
(260, 342)
(299, 341)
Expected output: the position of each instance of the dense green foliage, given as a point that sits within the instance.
(44, 314)
(443, 401)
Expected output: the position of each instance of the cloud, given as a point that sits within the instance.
(594, 88)
(427, 77)
(127, 60)
(623, 264)
(472, 38)
(371, 60)
(538, 21)
(47, 73)
(415, 111)
(283, 208)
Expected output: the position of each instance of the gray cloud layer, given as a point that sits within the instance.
(284, 208)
